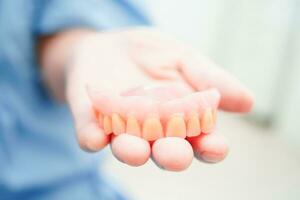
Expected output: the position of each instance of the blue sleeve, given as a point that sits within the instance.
(57, 15)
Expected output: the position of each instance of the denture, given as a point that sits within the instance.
(193, 127)
(155, 112)
(132, 126)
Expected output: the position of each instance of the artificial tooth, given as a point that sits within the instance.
(193, 125)
(207, 121)
(100, 119)
(132, 126)
(118, 124)
(152, 129)
(176, 127)
(107, 125)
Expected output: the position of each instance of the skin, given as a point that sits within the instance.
(116, 61)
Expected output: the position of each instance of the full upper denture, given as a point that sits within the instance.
(146, 115)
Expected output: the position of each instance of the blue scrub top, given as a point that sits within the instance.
(39, 155)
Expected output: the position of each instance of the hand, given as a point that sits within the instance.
(118, 61)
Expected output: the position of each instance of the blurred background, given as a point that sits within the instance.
(259, 42)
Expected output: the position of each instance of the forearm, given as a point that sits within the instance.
(54, 53)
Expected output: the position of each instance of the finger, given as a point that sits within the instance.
(209, 148)
(130, 149)
(201, 74)
(89, 135)
(172, 153)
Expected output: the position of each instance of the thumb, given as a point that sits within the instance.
(89, 134)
